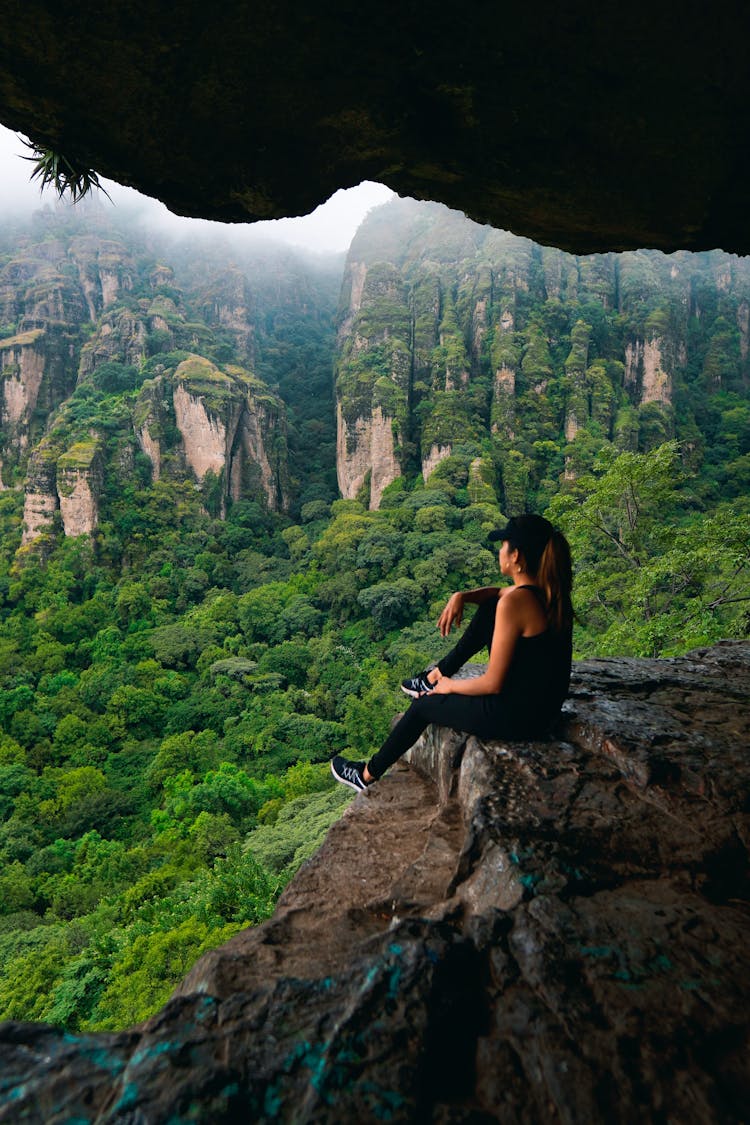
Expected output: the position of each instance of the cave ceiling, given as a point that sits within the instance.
(590, 127)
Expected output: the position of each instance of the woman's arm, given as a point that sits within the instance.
(509, 626)
(454, 608)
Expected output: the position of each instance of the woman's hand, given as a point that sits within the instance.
(452, 614)
(444, 686)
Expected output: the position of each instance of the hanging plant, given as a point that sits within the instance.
(66, 176)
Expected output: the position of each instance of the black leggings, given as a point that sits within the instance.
(483, 715)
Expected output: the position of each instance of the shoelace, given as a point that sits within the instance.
(351, 773)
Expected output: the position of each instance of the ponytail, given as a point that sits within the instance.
(555, 576)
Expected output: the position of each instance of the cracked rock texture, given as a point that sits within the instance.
(587, 126)
(513, 932)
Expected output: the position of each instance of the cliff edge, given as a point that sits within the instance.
(513, 932)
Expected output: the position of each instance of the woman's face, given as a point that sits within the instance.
(505, 557)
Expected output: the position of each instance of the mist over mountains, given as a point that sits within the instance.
(98, 320)
(449, 340)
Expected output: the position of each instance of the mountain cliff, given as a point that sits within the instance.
(506, 363)
(456, 339)
(106, 354)
(550, 931)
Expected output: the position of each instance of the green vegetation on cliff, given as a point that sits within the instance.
(172, 686)
(535, 358)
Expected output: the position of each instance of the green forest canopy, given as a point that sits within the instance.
(172, 688)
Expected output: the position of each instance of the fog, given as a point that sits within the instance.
(330, 228)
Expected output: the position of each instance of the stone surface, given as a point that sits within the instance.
(436, 454)
(587, 126)
(365, 448)
(514, 932)
(79, 484)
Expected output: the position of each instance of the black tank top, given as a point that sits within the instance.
(538, 679)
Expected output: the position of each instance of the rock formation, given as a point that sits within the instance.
(594, 128)
(22, 363)
(44, 307)
(509, 932)
(454, 338)
(87, 309)
(63, 475)
(227, 302)
(373, 377)
(79, 482)
(40, 493)
(231, 428)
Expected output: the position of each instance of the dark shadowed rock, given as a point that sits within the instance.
(515, 932)
(589, 126)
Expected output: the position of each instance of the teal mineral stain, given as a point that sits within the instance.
(99, 1056)
(528, 881)
(384, 1104)
(102, 1058)
(316, 1063)
(396, 949)
(150, 1051)
(271, 1102)
(598, 951)
(205, 1008)
(660, 963)
(128, 1098)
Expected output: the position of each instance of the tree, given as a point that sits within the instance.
(391, 603)
(646, 585)
(197, 752)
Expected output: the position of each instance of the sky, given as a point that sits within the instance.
(330, 227)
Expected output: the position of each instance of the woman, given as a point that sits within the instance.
(527, 628)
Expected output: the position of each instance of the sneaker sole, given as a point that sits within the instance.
(414, 694)
(343, 781)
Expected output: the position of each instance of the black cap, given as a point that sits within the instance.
(529, 533)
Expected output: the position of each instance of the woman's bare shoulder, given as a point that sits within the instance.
(521, 603)
(522, 592)
(514, 599)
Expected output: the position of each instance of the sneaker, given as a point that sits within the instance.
(349, 773)
(418, 685)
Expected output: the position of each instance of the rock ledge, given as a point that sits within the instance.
(515, 932)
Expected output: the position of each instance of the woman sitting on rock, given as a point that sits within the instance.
(527, 629)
